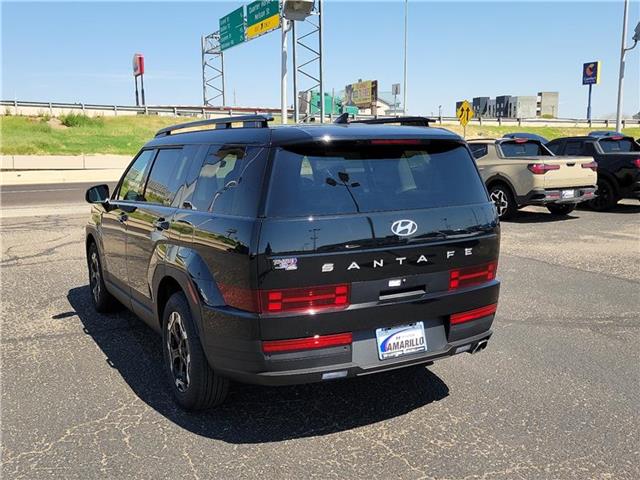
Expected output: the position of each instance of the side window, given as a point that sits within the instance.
(573, 148)
(132, 183)
(230, 181)
(554, 147)
(590, 149)
(479, 150)
(167, 174)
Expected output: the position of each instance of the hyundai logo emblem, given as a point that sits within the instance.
(404, 228)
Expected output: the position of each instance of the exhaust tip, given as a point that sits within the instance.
(478, 347)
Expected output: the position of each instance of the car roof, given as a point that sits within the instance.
(302, 133)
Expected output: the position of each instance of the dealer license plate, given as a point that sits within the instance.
(568, 193)
(402, 340)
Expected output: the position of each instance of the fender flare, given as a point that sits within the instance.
(500, 178)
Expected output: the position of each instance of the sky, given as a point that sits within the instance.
(82, 51)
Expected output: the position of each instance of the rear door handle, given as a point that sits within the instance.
(161, 224)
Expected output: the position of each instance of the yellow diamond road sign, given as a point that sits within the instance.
(464, 113)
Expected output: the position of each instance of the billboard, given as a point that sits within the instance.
(591, 73)
(361, 94)
(138, 64)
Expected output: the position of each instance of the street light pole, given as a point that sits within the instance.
(404, 87)
(621, 74)
(283, 71)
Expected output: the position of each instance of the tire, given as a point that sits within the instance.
(503, 200)
(194, 384)
(561, 209)
(606, 196)
(103, 301)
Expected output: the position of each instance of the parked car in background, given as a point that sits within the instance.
(618, 159)
(522, 171)
(531, 136)
(297, 254)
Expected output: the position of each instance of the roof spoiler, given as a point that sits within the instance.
(404, 121)
(248, 121)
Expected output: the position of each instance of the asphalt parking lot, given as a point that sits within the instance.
(555, 394)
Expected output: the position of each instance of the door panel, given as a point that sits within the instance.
(114, 235)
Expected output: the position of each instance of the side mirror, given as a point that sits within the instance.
(97, 194)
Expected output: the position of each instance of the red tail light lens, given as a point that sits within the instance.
(307, 299)
(541, 168)
(309, 343)
(468, 276)
(592, 165)
(637, 162)
(473, 314)
(521, 140)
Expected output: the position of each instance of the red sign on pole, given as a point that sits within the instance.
(138, 64)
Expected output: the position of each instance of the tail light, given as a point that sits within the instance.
(307, 299)
(309, 343)
(473, 314)
(468, 276)
(637, 162)
(592, 165)
(521, 140)
(541, 168)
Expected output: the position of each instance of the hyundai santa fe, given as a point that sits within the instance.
(295, 254)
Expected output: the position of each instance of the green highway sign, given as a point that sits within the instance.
(232, 29)
(262, 16)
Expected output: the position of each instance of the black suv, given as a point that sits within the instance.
(618, 159)
(294, 254)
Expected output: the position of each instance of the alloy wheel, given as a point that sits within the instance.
(499, 199)
(179, 355)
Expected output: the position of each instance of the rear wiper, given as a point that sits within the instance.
(344, 178)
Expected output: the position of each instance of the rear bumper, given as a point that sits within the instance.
(547, 196)
(233, 340)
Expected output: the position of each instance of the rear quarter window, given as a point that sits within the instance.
(479, 150)
(348, 177)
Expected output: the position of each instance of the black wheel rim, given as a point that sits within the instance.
(500, 200)
(604, 196)
(94, 276)
(178, 348)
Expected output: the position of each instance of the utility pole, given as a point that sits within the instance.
(625, 19)
(283, 71)
(404, 94)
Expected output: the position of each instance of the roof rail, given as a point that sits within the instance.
(248, 121)
(405, 121)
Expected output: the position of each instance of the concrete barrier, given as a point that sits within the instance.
(64, 162)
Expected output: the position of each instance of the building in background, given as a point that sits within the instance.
(481, 106)
(503, 106)
(523, 107)
(547, 104)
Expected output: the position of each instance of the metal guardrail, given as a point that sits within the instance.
(196, 110)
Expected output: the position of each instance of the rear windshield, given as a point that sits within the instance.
(612, 145)
(530, 148)
(353, 177)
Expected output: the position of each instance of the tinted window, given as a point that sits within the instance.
(230, 181)
(132, 183)
(573, 148)
(479, 149)
(554, 147)
(167, 174)
(350, 178)
(613, 145)
(529, 148)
